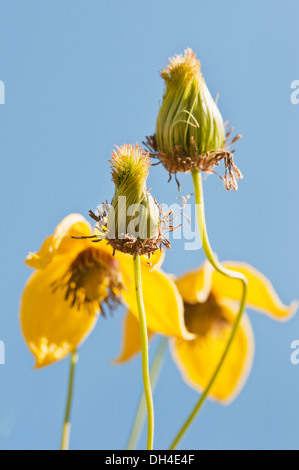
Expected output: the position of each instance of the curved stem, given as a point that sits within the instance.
(141, 410)
(67, 425)
(226, 272)
(145, 360)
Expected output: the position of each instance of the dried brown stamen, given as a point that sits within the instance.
(129, 244)
(93, 278)
(204, 318)
(178, 161)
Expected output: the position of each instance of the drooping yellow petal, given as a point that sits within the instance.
(131, 342)
(51, 327)
(43, 257)
(195, 285)
(261, 294)
(61, 242)
(197, 359)
(163, 303)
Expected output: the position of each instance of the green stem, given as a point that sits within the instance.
(67, 425)
(226, 272)
(144, 348)
(141, 410)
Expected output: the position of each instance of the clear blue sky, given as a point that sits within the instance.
(82, 76)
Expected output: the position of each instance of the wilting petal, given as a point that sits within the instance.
(43, 257)
(195, 286)
(51, 326)
(131, 343)
(198, 359)
(61, 241)
(163, 303)
(261, 294)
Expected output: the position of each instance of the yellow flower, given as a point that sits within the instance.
(210, 309)
(72, 282)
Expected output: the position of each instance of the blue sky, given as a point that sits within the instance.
(81, 77)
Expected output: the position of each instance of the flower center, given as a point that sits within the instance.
(93, 278)
(204, 318)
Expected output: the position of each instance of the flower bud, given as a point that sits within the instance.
(133, 223)
(190, 133)
(188, 112)
(133, 212)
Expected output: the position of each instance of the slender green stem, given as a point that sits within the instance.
(226, 272)
(141, 410)
(67, 425)
(145, 360)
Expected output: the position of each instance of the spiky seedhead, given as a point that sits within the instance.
(188, 112)
(133, 223)
(190, 133)
(130, 165)
(133, 212)
(182, 68)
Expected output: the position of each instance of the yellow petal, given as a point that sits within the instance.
(163, 303)
(131, 343)
(195, 285)
(43, 257)
(61, 241)
(156, 259)
(51, 327)
(261, 294)
(198, 359)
